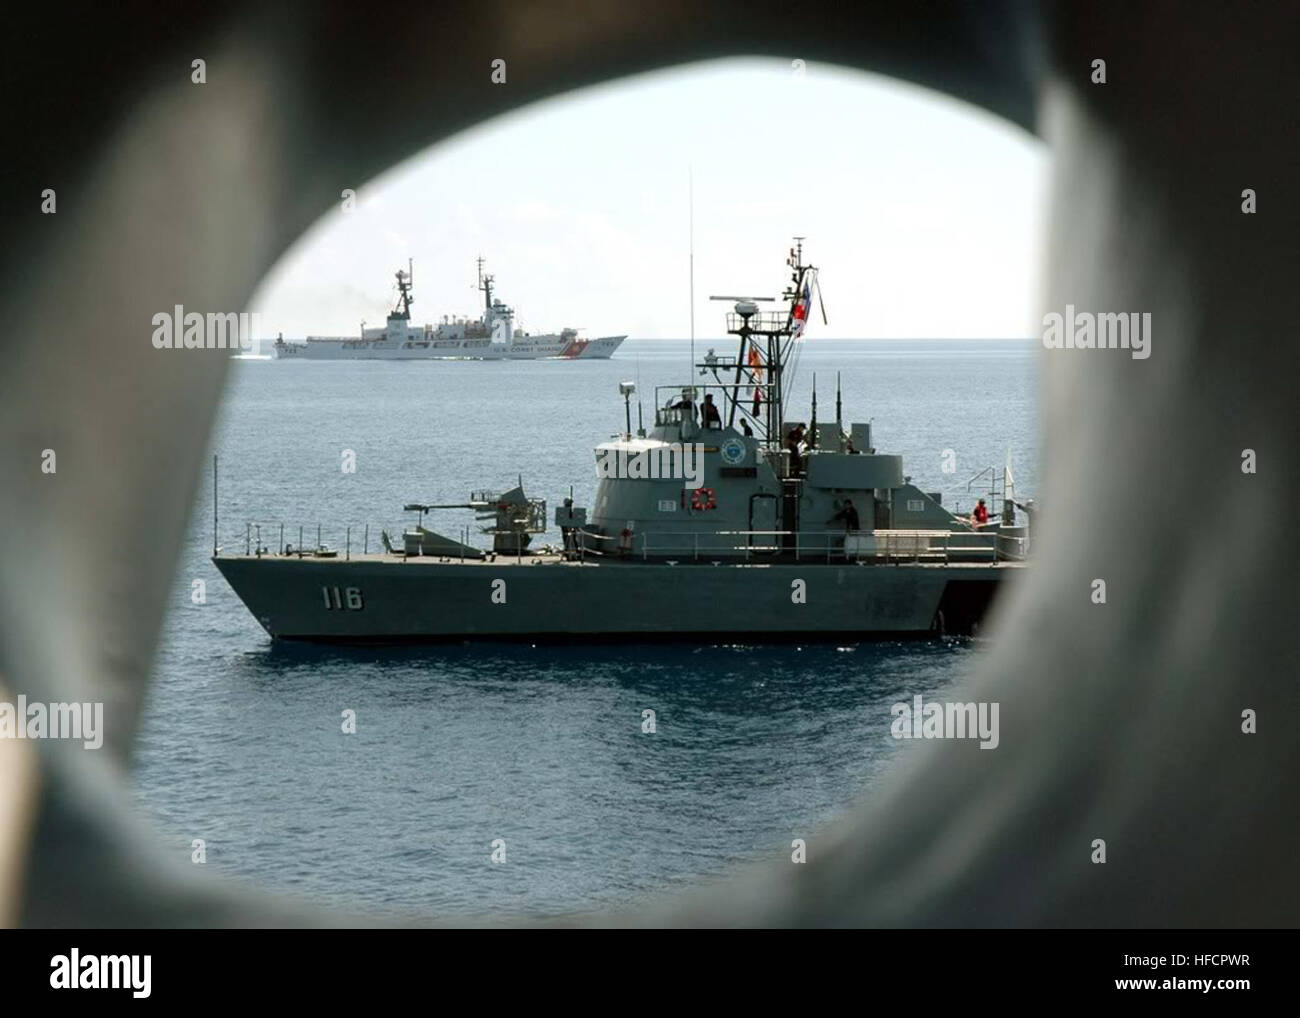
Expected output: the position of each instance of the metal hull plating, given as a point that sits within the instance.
(374, 598)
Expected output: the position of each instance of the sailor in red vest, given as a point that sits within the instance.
(981, 514)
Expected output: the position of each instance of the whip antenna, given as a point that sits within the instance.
(690, 185)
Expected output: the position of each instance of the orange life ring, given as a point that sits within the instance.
(702, 498)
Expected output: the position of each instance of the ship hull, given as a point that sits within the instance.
(384, 599)
(530, 348)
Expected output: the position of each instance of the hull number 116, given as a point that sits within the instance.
(336, 599)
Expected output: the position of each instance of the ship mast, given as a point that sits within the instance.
(766, 340)
(404, 300)
(485, 284)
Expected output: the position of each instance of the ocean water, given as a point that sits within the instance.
(540, 747)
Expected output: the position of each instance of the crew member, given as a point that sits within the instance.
(709, 415)
(981, 514)
(794, 442)
(745, 429)
(849, 514)
(567, 532)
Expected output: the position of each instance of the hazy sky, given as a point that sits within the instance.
(924, 214)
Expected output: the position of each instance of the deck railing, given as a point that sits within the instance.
(894, 547)
(888, 546)
(276, 539)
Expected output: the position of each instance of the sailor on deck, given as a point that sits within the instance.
(709, 415)
(570, 541)
(849, 514)
(794, 444)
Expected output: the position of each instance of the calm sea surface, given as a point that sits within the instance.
(541, 747)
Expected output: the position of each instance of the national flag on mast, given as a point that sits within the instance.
(802, 309)
(756, 374)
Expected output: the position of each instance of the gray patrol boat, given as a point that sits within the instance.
(724, 522)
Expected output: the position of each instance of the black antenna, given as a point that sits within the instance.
(690, 178)
(640, 420)
(214, 505)
(812, 431)
(839, 419)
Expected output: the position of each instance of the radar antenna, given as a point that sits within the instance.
(404, 298)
